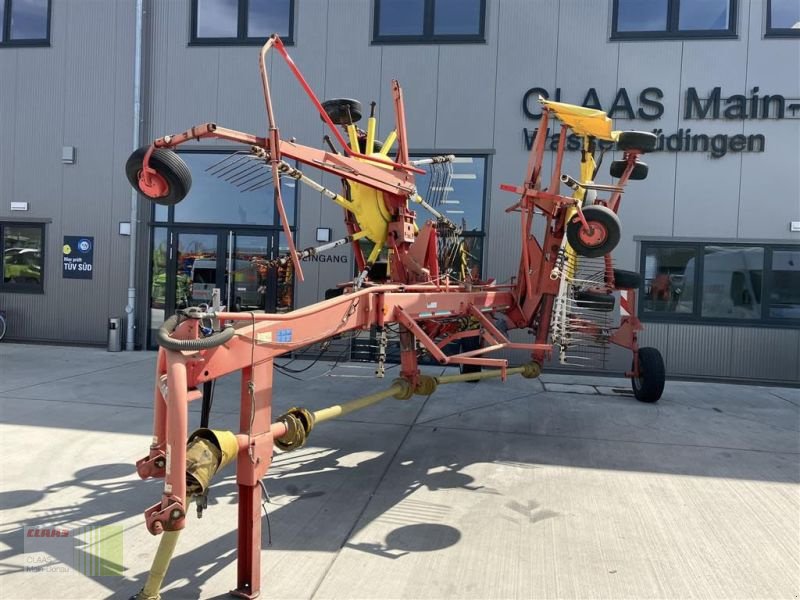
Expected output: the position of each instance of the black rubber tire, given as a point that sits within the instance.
(2, 327)
(595, 213)
(337, 109)
(650, 386)
(167, 164)
(643, 141)
(627, 280)
(333, 293)
(467, 345)
(638, 173)
(596, 301)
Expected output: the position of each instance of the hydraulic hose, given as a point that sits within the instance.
(165, 340)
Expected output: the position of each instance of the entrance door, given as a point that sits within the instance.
(200, 260)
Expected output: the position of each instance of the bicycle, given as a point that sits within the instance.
(2, 325)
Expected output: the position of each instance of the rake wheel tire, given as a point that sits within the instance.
(337, 110)
(644, 141)
(596, 301)
(627, 280)
(168, 165)
(649, 386)
(638, 173)
(603, 237)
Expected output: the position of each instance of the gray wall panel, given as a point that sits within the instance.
(417, 70)
(72, 100)
(647, 205)
(765, 207)
(769, 198)
(8, 114)
(656, 335)
(526, 59)
(714, 360)
(465, 104)
(764, 354)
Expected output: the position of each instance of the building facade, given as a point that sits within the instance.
(714, 229)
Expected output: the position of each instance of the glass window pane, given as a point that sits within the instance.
(401, 17)
(453, 17)
(461, 201)
(158, 285)
(22, 255)
(642, 15)
(704, 15)
(217, 18)
(197, 269)
(784, 295)
(249, 283)
(160, 212)
(224, 192)
(265, 17)
(285, 279)
(2, 19)
(785, 14)
(669, 279)
(28, 20)
(731, 285)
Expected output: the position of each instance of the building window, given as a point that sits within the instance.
(24, 22)
(783, 18)
(718, 283)
(241, 22)
(429, 21)
(673, 19)
(23, 257)
(463, 202)
(231, 189)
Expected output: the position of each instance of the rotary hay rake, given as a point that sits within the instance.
(413, 278)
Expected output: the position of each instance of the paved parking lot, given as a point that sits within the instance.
(554, 488)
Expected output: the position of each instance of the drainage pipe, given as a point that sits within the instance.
(130, 308)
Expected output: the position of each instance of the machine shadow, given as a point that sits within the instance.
(114, 500)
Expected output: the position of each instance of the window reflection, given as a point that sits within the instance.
(784, 296)
(669, 279)
(454, 17)
(29, 19)
(462, 200)
(215, 199)
(732, 280)
(22, 256)
(785, 14)
(642, 15)
(285, 279)
(158, 285)
(265, 17)
(217, 18)
(401, 17)
(250, 283)
(705, 15)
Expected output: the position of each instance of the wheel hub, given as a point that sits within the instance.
(594, 235)
(152, 184)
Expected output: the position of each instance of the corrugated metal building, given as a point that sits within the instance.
(710, 229)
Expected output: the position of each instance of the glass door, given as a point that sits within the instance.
(189, 263)
(195, 269)
(249, 285)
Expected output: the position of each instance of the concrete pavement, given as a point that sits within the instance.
(555, 488)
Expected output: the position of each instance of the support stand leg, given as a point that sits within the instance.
(252, 464)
